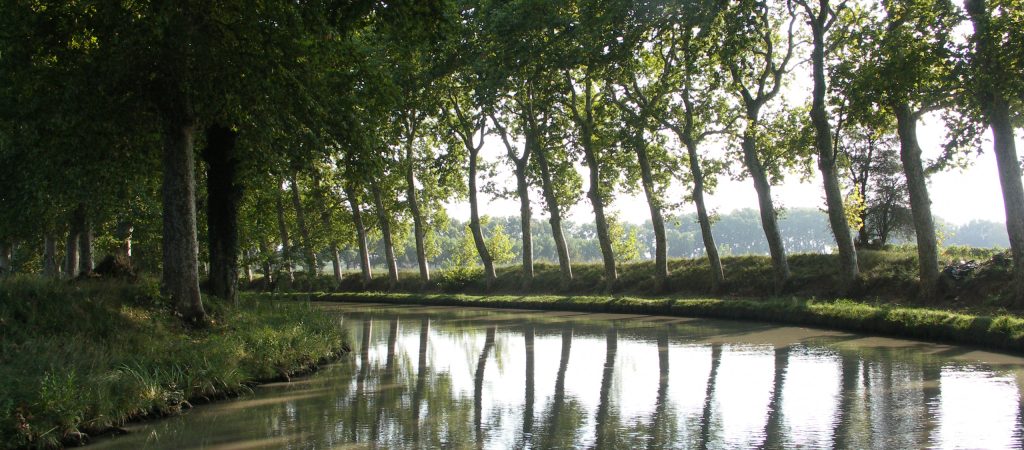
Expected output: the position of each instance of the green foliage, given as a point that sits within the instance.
(87, 356)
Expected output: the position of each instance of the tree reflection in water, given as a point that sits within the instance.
(489, 379)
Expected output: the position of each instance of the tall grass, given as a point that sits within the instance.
(80, 358)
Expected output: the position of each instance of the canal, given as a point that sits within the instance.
(439, 377)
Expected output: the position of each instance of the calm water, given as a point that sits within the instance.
(478, 378)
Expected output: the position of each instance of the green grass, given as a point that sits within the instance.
(1003, 332)
(886, 275)
(84, 357)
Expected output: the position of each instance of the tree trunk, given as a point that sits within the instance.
(6, 249)
(1013, 191)
(86, 261)
(49, 256)
(525, 224)
(180, 244)
(848, 268)
(604, 240)
(71, 250)
(224, 194)
(385, 231)
(124, 237)
(336, 262)
(265, 263)
(555, 220)
(920, 203)
(657, 220)
(286, 245)
(357, 220)
(312, 265)
(769, 221)
(417, 216)
(992, 97)
(474, 223)
(717, 273)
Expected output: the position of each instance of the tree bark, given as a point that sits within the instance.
(312, 265)
(265, 262)
(555, 220)
(50, 256)
(769, 221)
(124, 237)
(848, 268)
(522, 164)
(224, 194)
(86, 261)
(585, 123)
(6, 249)
(385, 231)
(717, 273)
(657, 220)
(417, 216)
(604, 239)
(180, 244)
(474, 223)
(357, 220)
(71, 250)
(920, 203)
(286, 245)
(992, 97)
(525, 224)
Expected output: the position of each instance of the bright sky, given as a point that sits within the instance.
(958, 196)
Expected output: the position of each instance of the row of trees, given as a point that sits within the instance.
(372, 115)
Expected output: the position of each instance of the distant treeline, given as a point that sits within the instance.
(805, 230)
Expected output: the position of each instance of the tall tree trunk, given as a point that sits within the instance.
(312, 265)
(991, 93)
(50, 256)
(124, 238)
(717, 273)
(848, 268)
(920, 203)
(474, 223)
(385, 231)
(417, 216)
(71, 250)
(336, 262)
(286, 245)
(86, 261)
(180, 244)
(555, 212)
(525, 224)
(224, 194)
(604, 239)
(6, 250)
(657, 220)
(265, 262)
(769, 221)
(357, 220)
(325, 221)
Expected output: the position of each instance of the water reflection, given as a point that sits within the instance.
(438, 377)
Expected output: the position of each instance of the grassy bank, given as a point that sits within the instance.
(78, 359)
(1003, 332)
(886, 275)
